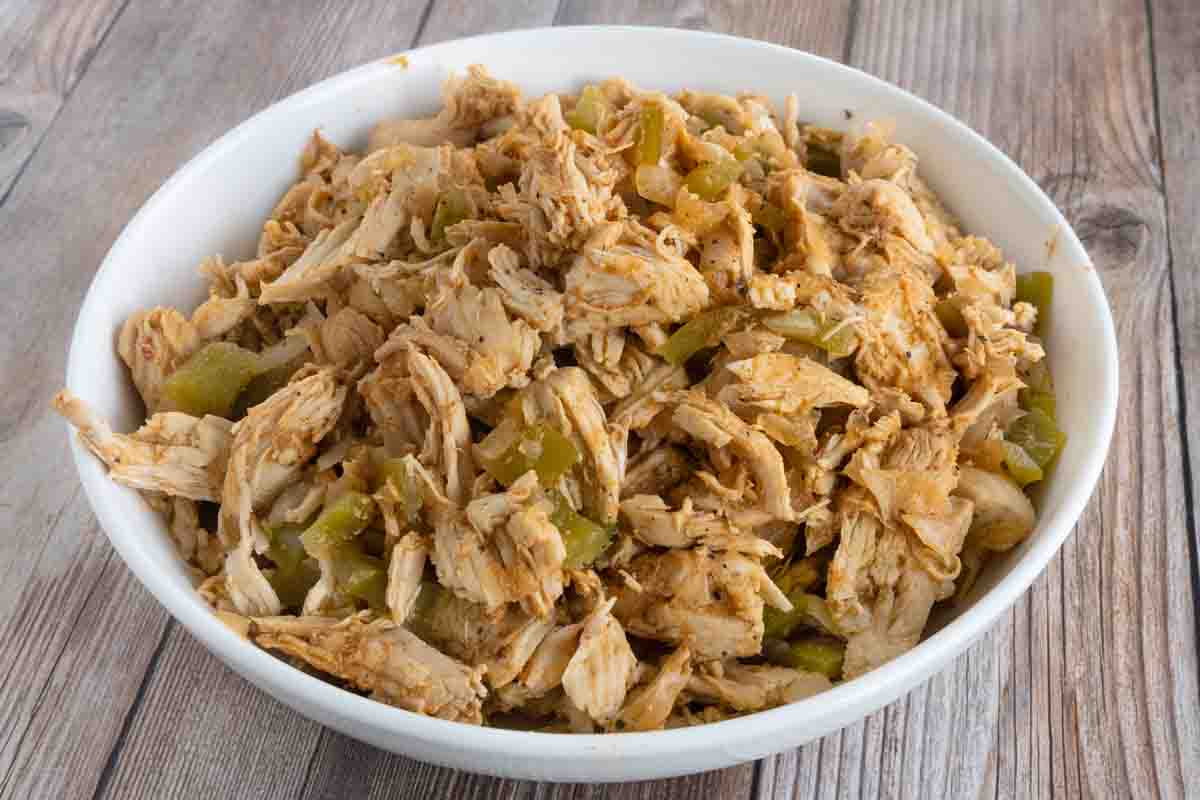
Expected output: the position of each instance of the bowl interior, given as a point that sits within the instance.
(216, 204)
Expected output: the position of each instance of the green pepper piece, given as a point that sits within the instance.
(709, 181)
(583, 539)
(338, 523)
(1019, 465)
(806, 325)
(541, 448)
(823, 655)
(1039, 391)
(452, 208)
(261, 387)
(589, 110)
(407, 487)
(650, 141)
(1037, 433)
(701, 331)
(359, 575)
(1037, 288)
(770, 217)
(210, 381)
(807, 609)
(294, 572)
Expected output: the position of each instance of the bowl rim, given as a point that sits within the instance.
(828, 711)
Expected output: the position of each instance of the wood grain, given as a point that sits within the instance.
(1087, 688)
(44, 48)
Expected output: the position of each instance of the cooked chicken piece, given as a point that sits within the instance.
(649, 705)
(602, 668)
(654, 522)
(878, 592)
(712, 423)
(712, 602)
(914, 474)
(309, 275)
(753, 687)
(447, 443)
(646, 401)
(173, 453)
(625, 276)
(196, 545)
(785, 384)
(901, 339)
(544, 670)
(271, 446)
(469, 102)
(153, 344)
(502, 549)
(224, 309)
(943, 536)
(347, 338)
(655, 471)
(382, 658)
(499, 350)
(391, 400)
(566, 400)
(877, 208)
(1003, 514)
(727, 251)
(524, 293)
(405, 569)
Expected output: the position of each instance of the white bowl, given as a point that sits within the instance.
(216, 202)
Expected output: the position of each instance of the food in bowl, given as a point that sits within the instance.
(608, 411)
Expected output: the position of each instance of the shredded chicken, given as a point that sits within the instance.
(592, 412)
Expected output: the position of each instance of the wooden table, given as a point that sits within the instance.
(1088, 687)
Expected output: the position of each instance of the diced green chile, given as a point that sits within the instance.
(583, 539)
(359, 575)
(823, 655)
(294, 573)
(709, 181)
(408, 488)
(1038, 435)
(541, 448)
(650, 140)
(1019, 465)
(701, 331)
(210, 381)
(452, 208)
(338, 523)
(1037, 288)
(806, 325)
(589, 110)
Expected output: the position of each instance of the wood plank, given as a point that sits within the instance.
(1175, 48)
(1088, 688)
(113, 144)
(44, 48)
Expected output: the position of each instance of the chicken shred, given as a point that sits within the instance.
(592, 411)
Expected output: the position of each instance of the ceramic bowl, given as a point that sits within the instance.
(216, 203)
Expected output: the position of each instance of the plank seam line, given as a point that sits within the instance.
(422, 23)
(37, 704)
(851, 30)
(312, 760)
(84, 64)
(127, 723)
(558, 12)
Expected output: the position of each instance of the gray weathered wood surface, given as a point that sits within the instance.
(1087, 688)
